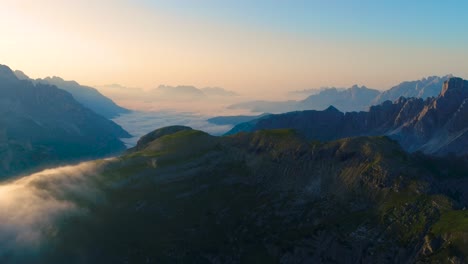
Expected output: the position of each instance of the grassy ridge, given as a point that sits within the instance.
(267, 196)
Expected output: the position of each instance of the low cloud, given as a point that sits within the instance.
(187, 92)
(141, 123)
(166, 97)
(31, 206)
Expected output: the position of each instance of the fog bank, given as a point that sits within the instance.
(31, 206)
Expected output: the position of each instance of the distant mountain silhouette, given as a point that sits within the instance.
(435, 125)
(352, 99)
(312, 91)
(259, 106)
(424, 88)
(217, 91)
(42, 125)
(347, 100)
(87, 96)
(188, 92)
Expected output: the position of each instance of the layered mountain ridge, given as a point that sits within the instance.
(351, 99)
(87, 96)
(41, 125)
(424, 88)
(436, 125)
(355, 98)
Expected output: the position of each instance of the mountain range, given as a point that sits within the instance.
(182, 196)
(351, 99)
(387, 185)
(87, 96)
(436, 125)
(42, 125)
(190, 92)
(424, 88)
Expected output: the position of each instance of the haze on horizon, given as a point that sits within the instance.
(256, 48)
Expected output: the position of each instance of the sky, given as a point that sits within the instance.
(260, 48)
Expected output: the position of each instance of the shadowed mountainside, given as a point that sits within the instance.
(87, 96)
(435, 126)
(41, 125)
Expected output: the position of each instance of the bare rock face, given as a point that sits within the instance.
(436, 125)
(424, 88)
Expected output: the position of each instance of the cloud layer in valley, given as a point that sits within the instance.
(165, 97)
(141, 123)
(30, 207)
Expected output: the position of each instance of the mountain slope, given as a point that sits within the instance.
(435, 125)
(268, 196)
(87, 96)
(42, 125)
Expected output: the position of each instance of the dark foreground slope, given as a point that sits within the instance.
(42, 125)
(437, 125)
(183, 196)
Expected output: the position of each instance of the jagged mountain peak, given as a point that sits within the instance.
(59, 79)
(331, 108)
(454, 85)
(424, 88)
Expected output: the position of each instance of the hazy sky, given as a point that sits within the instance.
(253, 47)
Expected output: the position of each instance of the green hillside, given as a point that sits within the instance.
(265, 197)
